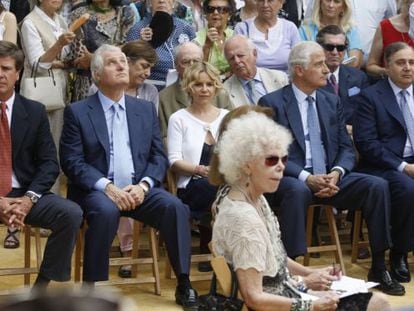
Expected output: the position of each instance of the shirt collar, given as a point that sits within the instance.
(396, 89)
(107, 102)
(336, 74)
(10, 102)
(300, 96)
(256, 78)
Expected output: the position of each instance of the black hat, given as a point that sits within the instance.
(162, 26)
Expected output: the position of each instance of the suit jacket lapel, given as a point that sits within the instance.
(237, 94)
(293, 115)
(19, 125)
(344, 80)
(180, 96)
(386, 94)
(323, 115)
(134, 126)
(97, 116)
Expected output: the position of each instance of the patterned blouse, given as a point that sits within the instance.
(182, 32)
(250, 238)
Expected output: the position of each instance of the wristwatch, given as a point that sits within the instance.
(33, 198)
(145, 187)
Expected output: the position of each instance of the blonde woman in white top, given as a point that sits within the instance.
(191, 137)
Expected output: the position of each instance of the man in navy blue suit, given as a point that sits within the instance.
(112, 153)
(344, 81)
(384, 137)
(321, 162)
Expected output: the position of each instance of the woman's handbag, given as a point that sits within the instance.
(218, 302)
(47, 90)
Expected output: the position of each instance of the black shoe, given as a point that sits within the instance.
(399, 268)
(188, 298)
(204, 266)
(386, 284)
(124, 272)
(363, 253)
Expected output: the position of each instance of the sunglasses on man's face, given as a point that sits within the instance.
(338, 47)
(274, 160)
(220, 9)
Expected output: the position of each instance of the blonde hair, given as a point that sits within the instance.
(345, 21)
(192, 74)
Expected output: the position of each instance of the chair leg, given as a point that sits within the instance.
(309, 225)
(38, 243)
(335, 238)
(155, 269)
(27, 254)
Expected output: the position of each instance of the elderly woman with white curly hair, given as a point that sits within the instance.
(250, 157)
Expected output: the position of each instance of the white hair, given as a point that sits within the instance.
(250, 45)
(97, 61)
(247, 138)
(178, 49)
(301, 55)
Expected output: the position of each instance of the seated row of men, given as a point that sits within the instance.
(111, 177)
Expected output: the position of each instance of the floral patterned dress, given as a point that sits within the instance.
(92, 35)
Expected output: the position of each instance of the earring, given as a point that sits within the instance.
(248, 181)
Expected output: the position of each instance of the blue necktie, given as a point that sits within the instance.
(408, 118)
(317, 153)
(251, 85)
(123, 167)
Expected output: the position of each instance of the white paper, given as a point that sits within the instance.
(347, 286)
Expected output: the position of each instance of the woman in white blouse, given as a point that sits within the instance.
(191, 137)
(45, 39)
(250, 158)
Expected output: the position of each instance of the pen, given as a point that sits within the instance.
(333, 269)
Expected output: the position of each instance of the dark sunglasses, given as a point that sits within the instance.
(220, 9)
(331, 47)
(274, 160)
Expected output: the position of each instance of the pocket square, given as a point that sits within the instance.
(353, 91)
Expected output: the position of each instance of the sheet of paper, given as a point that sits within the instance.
(348, 286)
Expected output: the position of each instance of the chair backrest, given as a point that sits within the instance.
(223, 275)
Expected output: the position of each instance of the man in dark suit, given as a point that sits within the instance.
(112, 153)
(321, 160)
(384, 137)
(344, 81)
(28, 169)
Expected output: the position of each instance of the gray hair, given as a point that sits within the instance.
(97, 61)
(178, 49)
(301, 55)
(250, 44)
(248, 138)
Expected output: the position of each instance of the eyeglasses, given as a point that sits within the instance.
(274, 160)
(331, 47)
(220, 9)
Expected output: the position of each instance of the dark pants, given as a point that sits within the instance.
(357, 191)
(159, 210)
(63, 218)
(402, 208)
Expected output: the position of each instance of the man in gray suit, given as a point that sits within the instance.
(173, 97)
(248, 82)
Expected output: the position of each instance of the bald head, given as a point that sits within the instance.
(185, 55)
(241, 55)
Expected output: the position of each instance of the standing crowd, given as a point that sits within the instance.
(255, 109)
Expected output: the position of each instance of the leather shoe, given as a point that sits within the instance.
(124, 272)
(188, 298)
(386, 283)
(363, 253)
(399, 268)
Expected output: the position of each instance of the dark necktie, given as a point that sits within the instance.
(317, 154)
(5, 153)
(334, 83)
(408, 118)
